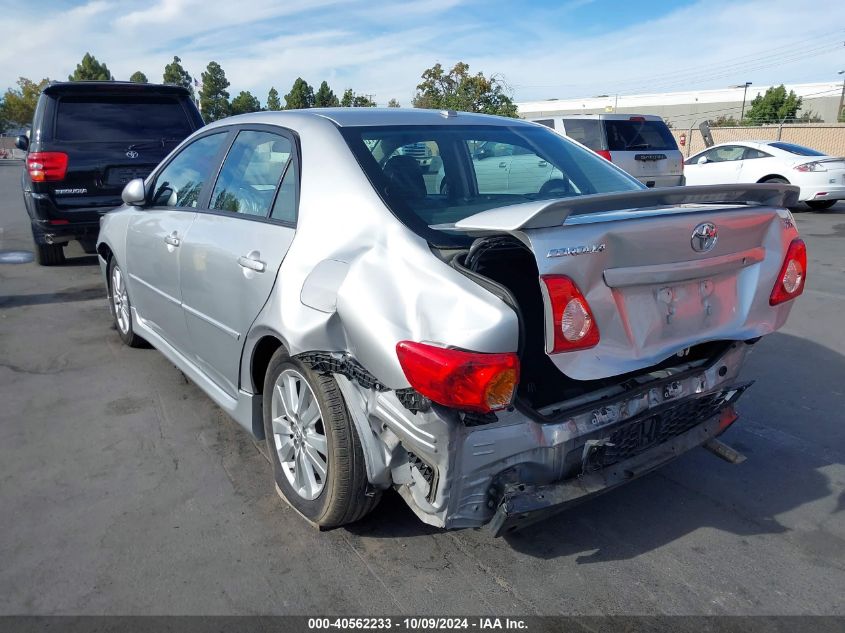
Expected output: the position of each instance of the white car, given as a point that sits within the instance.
(820, 177)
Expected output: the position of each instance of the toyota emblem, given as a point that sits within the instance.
(132, 154)
(704, 237)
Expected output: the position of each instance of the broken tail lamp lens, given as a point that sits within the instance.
(574, 325)
(471, 381)
(793, 274)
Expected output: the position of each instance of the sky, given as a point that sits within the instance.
(540, 49)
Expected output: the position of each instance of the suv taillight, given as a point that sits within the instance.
(574, 325)
(604, 154)
(465, 380)
(43, 166)
(793, 274)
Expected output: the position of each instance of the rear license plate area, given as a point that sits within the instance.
(118, 176)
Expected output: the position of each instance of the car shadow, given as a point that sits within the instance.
(786, 454)
(66, 296)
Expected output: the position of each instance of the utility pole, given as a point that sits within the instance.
(840, 114)
(744, 93)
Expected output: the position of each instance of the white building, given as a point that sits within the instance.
(688, 109)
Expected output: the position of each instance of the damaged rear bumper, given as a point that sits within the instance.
(520, 505)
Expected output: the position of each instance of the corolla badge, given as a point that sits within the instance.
(704, 237)
(132, 154)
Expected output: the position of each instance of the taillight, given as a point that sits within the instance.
(604, 154)
(727, 417)
(574, 325)
(814, 166)
(43, 166)
(793, 274)
(455, 378)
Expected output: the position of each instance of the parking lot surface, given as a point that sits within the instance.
(126, 491)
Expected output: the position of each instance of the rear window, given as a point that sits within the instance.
(584, 131)
(121, 119)
(481, 167)
(800, 150)
(638, 135)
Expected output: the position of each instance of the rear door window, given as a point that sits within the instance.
(636, 135)
(121, 119)
(251, 173)
(587, 132)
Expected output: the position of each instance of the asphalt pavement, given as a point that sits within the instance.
(125, 490)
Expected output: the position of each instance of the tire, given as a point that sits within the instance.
(318, 463)
(820, 205)
(121, 307)
(49, 254)
(777, 180)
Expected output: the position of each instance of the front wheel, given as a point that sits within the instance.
(121, 307)
(820, 205)
(318, 463)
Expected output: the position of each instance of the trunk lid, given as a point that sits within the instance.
(655, 280)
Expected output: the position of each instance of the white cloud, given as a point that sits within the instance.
(381, 47)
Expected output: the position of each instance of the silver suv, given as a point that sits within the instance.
(641, 144)
(495, 348)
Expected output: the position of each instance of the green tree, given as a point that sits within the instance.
(457, 89)
(19, 104)
(393, 103)
(775, 105)
(89, 69)
(273, 102)
(352, 100)
(301, 95)
(214, 98)
(325, 97)
(724, 121)
(245, 102)
(138, 77)
(176, 75)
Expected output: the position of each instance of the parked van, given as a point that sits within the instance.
(641, 144)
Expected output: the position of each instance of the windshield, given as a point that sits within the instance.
(635, 135)
(468, 169)
(797, 149)
(133, 118)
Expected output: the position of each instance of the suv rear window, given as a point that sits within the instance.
(637, 135)
(121, 119)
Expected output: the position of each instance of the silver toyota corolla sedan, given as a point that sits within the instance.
(495, 342)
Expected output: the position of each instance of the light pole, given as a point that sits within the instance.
(840, 115)
(744, 92)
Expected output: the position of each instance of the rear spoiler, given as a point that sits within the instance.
(549, 213)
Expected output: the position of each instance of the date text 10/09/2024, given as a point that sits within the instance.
(419, 624)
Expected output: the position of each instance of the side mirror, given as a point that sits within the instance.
(703, 160)
(22, 142)
(134, 193)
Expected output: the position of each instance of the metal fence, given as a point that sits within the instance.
(824, 137)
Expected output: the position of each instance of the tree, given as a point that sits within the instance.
(724, 121)
(245, 102)
(19, 105)
(301, 95)
(89, 69)
(774, 105)
(176, 75)
(273, 102)
(138, 77)
(214, 98)
(393, 103)
(352, 100)
(459, 90)
(325, 97)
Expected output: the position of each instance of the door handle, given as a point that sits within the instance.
(172, 239)
(503, 164)
(251, 262)
(542, 163)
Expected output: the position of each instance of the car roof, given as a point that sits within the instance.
(360, 117)
(113, 87)
(603, 116)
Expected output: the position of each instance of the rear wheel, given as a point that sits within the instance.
(777, 179)
(49, 254)
(318, 463)
(121, 307)
(820, 205)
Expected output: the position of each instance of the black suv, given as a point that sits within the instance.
(88, 139)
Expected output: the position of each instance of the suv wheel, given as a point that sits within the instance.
(49, 254)
(121, 307)
(317, 459)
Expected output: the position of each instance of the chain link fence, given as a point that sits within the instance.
(824, 137)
